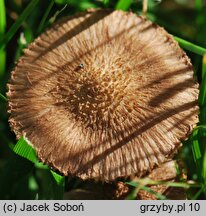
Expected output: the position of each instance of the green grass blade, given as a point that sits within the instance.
(60, 1)
(49, 188)
(106, 3)
(2, 62)
(157, 195)
(40, 165)
(202, 103)
(46, 14)
(23, 149)
(8, 36)
(2, 31)
(166, 183)
(196, 196)
(15, 170)
(204, 167)
(56, 181)
(198, 5)
(3, 98)
(199, 149)
(58, 178)
(203, 127)
(2, 17)
(59, 185)
(202, 96)
(190, 46)
(123, 5)
(195, 147)
(145, 188)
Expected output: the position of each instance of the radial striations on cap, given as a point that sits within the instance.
(103, 94)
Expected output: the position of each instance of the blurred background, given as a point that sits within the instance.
(21, 21)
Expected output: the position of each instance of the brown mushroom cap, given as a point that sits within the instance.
(103, 94)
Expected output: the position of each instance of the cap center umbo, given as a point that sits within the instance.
(85, 99)
(89, 103)
(92, 97)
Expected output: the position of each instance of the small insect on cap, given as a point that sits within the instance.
(103, 94)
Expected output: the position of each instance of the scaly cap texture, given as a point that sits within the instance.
(103, 94)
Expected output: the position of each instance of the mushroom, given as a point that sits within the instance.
(103, 94)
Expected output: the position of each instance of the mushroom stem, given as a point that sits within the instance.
(144, 8)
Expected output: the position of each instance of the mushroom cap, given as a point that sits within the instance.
(103, 94)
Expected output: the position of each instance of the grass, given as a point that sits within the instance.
(2, 31)
(123, 5)
(190, 46)
(3, 98)
(19, 162)
(45, 16)
(8, 36)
